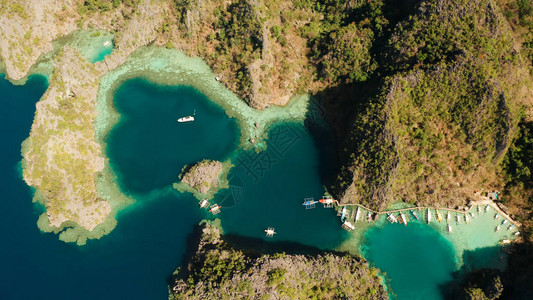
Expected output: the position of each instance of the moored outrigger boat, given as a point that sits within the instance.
(449, 228)
(448, 216)
(429, 216)
(497, 228)
(347, 226)
(439, 216)
(391, 218)
(479, 209)
(415, 214)
(403, 219)
(487, 208)
(270, 232)
(204, 203)
(496, 216)
(458, 219)
(467, 219)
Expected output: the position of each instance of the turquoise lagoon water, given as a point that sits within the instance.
(147, 149)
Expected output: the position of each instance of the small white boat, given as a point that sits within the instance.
(505, 241)
(504, 222)
(429, 216)
(186, 119)
(107, 43)
(487, 208)
(517, 233)
(369, 217)
(478, 209)
(392, 218)
(204, 203)
(404, 220)
(347, 226)
(467, 219)
(448, 216)
(497, 228)
(472, 215)
(457, 219)
(270, 232)
(357, 214)
(449, 228)
(496, 216)
(511, 227)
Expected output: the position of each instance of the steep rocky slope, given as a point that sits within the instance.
(217, 271)
(440, 124)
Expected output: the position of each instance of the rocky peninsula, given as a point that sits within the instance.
(217, 271)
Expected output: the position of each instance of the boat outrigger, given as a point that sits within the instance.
(439, 216)
(204, 203)
(347, 226)
(215, 209)
(270, 232)
(343, 213)
(403, 218)
(327, 201)
(309, 203)
(392, 218)
(415, 214)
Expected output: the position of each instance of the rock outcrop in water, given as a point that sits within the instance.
(202, 176)
(218, 271)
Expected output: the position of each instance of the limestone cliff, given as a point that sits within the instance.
(61, 156)
(218, 271)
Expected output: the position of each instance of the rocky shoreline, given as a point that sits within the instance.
(216, 270)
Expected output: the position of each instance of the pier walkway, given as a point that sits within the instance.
(463, 211)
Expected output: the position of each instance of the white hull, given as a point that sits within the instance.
(186, 119)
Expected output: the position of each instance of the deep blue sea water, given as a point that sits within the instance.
(147, 149)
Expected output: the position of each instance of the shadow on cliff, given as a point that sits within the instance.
(487, 270)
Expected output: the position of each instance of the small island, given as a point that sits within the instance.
(219, 271)
(201, 177)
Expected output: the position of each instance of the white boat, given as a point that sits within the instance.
(392, 218)
(107, 43)
(270, 232)
(448, 216)
(478, 209)
(457, 219)
(467, 219)
(343, 213)
(369, 217)
(429, 216)
(504, 221)
(186, 119)
(517, 233)
(204, 203)
(449, 228)
(403, 219)
(347, 226)
(511, 227)
(472, 215)
(505, 241)
(497, 228)
(487, 208)
(496, 216)
(357, 214)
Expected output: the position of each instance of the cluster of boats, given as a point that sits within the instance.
(214, 209)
